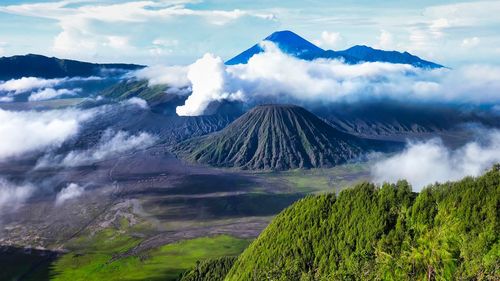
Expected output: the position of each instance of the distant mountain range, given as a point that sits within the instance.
(294, 45)
(276, 137)
(31, 65)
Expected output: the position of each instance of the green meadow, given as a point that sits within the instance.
(96, 261)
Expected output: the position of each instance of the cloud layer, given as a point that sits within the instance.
(27, 84)
(30, 131)
(273, 75)
(110, 145)
(12, 195)
(174, 76)
(49, 93)
(43, 89)
(424, 163)
(80, 23)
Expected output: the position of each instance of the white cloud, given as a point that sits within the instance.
(274, 74)
(74, 40)
(440, 28)
(110, 145)
(12, 195)
(118, 42)
(424, 163)
(329, 40)
(174, 76)
(472, 13)
(29, 131)
(27, 84)
(76, 21)
(2, 47)
(137, 102)
(470, 42)
(437, 26)
(71, 191)
(163, 46)
(385, 40)
(50, 93)
(165, 42)
(6, 99)
(208, 77)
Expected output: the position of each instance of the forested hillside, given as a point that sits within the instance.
(449, 231)
(446, 232)
(210, 270)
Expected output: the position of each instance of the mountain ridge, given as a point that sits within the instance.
(294, 45)
(33, 65)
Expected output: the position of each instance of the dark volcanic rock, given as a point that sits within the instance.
(275, 137)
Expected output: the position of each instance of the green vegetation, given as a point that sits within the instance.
(210, 270)
(447, 232)
(332, 179)
(98, 258)
(141, 89)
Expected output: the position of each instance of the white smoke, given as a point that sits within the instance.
(273, 74)
(12, 195)
(111, 144)
(29, 131)
(208, 77)
(71, 191)
(424, 163)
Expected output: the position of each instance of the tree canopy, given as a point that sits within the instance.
(447, 231)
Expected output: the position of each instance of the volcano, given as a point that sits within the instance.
(275, 137)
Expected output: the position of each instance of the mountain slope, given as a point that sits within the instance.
(368, 54)
(135, 88)
(289, 43)
(294, 45)
(274, 137)
(44, 67)
(446, 232)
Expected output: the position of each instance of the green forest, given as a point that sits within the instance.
(448, 231)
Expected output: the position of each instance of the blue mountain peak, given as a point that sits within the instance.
(294, 45)
(288, 42)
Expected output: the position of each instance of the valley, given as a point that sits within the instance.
(142, 202)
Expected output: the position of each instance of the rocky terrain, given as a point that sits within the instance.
(275, 137)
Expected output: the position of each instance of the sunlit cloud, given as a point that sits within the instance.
(31, 131)
(275, 75)
(424, 163)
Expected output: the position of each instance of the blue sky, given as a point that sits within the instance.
(180, 31)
